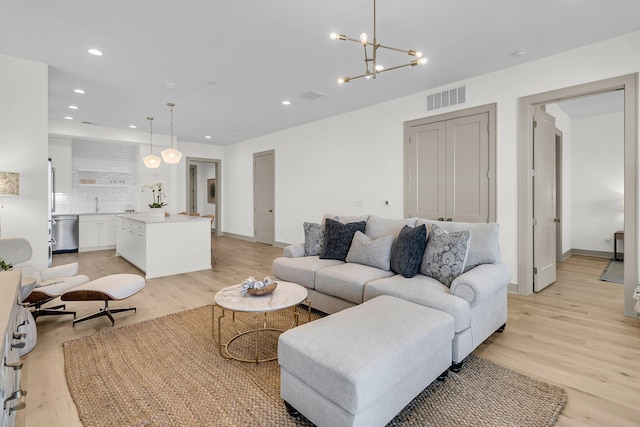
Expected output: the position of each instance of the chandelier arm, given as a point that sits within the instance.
(395, 48)
(395, 68)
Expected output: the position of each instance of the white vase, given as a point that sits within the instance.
(156, 213)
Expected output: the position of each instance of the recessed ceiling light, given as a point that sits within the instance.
(80, 91)
(133, 126)
(286, 102)
(208, 137)
(95, 52)
(171, 85)
(68, 118)
(73, 107)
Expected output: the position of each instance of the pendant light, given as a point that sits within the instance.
(151, 161)
(171, 155)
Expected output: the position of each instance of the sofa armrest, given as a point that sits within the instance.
(294, 251)
(66, 270)
(480, 282)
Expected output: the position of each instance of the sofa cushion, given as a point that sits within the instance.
(338, 237)
(484, 245)
(425, 291)
(408, 249)
(345, 219)
(378, 226)
(313, 238)
(301, 270)
(444, 255)
(367, 251)
(347, 281)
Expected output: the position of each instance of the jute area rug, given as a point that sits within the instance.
(168, 372)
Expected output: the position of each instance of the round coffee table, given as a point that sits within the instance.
(286, 295)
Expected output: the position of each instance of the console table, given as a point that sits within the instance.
(618, 235)
(14, 334)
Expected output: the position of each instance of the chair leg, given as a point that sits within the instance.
(38, 311)
(104, 312)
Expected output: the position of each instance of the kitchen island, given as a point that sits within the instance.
(164, 246)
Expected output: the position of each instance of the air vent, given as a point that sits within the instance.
(312, 95)
(447, 98)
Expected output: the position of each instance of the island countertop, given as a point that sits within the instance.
(145, 218)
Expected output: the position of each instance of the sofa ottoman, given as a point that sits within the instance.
(362, 365)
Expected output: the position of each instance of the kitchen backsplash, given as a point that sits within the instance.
(105, 171)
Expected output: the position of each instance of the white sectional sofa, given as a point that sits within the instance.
(476, 298)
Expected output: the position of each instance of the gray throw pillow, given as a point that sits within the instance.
(338, 237)
(445, 255)
(367, 251)
(408, 249)
(313, 238)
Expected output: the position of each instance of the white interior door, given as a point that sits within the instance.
(544, 200)
(427, 170)
(468, 169)
(264, 197)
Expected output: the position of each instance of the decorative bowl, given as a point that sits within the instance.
(263, 291)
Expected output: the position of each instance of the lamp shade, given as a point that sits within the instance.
(151, 161)
(171, 155)
(9, 184)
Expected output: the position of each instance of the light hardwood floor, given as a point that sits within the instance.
(572, 334)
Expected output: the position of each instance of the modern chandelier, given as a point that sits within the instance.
(171, 155)
(372, 68)
(151, 160)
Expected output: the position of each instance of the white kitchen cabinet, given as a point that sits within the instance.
(60, 155)
(164, 246)
(97, 232)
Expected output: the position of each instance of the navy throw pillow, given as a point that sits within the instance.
(408, 249)
(338, 237)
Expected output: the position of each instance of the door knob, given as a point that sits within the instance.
(441, 219)
(449, 219)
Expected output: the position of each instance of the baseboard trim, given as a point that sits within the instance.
(587, 252)
(239, 237)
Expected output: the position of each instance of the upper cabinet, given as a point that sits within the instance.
(60, 155)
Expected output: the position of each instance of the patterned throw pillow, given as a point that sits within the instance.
(367, 251)
(445, 255)
(338, 237)
(408, 249)
(313, 238)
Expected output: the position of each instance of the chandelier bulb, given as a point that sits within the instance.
(342, 80)
(363, 39)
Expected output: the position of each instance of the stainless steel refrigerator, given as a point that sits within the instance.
(63, 228)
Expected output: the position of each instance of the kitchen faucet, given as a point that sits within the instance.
(97, 206)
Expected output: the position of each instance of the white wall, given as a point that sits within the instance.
(327, 165)
(24, 145)
(598, 181)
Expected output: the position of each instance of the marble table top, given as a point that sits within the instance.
(286, 295)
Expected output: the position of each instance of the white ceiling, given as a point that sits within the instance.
(235, 61)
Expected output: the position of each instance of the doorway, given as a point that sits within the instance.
(201, 174)
(527, 105)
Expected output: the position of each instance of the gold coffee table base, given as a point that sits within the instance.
(259, 329)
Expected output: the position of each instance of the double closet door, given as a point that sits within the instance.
(449, 174)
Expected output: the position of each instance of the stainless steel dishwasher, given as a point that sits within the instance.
(65, 232)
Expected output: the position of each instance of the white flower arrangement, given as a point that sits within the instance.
(252, 283)
(157, 200)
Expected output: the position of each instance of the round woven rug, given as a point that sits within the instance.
(168, 372)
